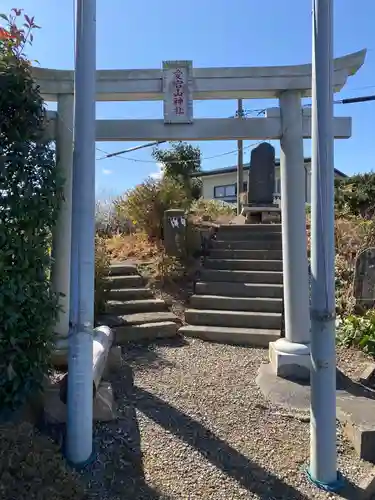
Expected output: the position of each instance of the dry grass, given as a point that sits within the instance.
(352, 236)
(136, 247)
(32, 467)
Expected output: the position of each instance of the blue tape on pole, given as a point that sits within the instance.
(333, 487)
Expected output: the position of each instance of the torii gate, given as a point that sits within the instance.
(287, 123)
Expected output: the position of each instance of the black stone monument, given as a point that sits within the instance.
(261, 183)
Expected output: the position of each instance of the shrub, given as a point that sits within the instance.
(212, 209)
(356, 195)
(357, 331)
(353, 234)
(180, 163)
(166, 268)
(108, 221)
(145, 205)
(30, 194)
(135, 246)
(102, 263)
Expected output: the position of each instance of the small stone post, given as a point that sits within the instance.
(175, 226)
(364, 280)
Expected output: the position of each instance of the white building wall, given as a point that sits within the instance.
(228, 178)
(209, 182)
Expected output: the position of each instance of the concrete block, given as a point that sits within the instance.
(285, 364)
(367, 376)
(55, 411)
(114, 361)
(356, 413)
(104, 404)
(367, 486)
(358, 416)
(59, 358)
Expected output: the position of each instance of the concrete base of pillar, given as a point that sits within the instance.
(104, 406)
(289, 359)
(60, 353)
(114, 362)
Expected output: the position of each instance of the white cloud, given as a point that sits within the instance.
(159, 173)
(106, 171)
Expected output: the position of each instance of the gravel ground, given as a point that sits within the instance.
(193, 425)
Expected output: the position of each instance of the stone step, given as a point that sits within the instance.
(237, 319)
(220, 302)
(123, 269)
(239, 289)
(246, 236)
(264, 277)
(130, 294)
(149, 317)
(239, 336)
(246, 245)
(130, 281)
(244, 264)
(135, 306)
(145, 331)
(115, 320)
(247, 254)
(251, 228)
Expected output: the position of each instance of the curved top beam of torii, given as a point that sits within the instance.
(208, 83)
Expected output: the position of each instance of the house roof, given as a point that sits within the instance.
(233, 169)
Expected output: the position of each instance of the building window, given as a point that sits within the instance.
(228, 191)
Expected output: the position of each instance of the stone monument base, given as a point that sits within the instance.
(289, 359)
(261, 214)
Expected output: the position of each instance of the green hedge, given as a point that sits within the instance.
(30, 196)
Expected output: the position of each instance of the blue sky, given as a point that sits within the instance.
(143, 33)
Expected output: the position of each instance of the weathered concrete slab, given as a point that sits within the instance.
(114, 362)
(367, 376)
(146, 331)
(59, 358)
(123, 268)
(229, 335)
(367, 486)
(355, 406)
(104, 408)
(364, 279)
(121, 307)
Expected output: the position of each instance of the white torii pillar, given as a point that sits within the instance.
(61, 240)
(290, 356)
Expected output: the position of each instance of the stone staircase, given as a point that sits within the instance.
(132, 310)
(239, 296)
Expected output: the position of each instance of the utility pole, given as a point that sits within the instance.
(323, 453)
(239, 162)
(80, 383)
